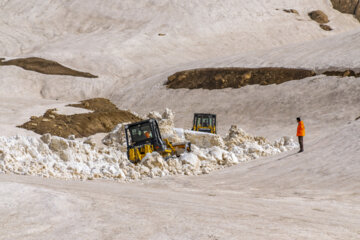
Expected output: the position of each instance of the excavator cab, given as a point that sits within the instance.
(144, 137)
(204, 122)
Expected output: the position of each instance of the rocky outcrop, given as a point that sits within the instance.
(357, 11)
(345, 6)
(348, 6)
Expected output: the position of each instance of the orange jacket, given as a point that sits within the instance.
(147, 134)
(300, 129)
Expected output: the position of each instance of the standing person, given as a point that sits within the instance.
(300, 133)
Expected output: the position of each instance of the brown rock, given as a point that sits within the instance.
(357, 12)
(345, 6)
(345, 73)
(291, 11)
(246, 76)
(326, 27)
(319, 16)
(349, 73)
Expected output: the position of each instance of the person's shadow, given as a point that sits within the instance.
(286, 156)
(279, 159)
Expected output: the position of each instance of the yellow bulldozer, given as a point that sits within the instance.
(204, 122)
(144, 137)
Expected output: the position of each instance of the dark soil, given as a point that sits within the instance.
(44, 66)
(345, 73)
(104, 118)
(219, 78)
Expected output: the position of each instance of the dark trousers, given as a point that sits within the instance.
(301, 142)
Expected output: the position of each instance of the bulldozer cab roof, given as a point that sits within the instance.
(140, 123)
(204, 115)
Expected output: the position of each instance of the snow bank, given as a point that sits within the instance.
(52, 156)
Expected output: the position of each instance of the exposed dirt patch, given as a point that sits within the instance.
(218, 78)
(319, 16)
(326, 27)
(44, 66)
(344, 73)
(104, 118)
(97, 105)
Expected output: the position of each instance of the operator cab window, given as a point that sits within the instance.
(198, 121)
(140, 133)
(207, 122)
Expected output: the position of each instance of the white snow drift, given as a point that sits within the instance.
(52, 156)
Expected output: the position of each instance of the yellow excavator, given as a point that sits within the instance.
(204, 122)
(144, 137)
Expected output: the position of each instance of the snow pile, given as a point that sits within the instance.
(52, 156)
(116, 138)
